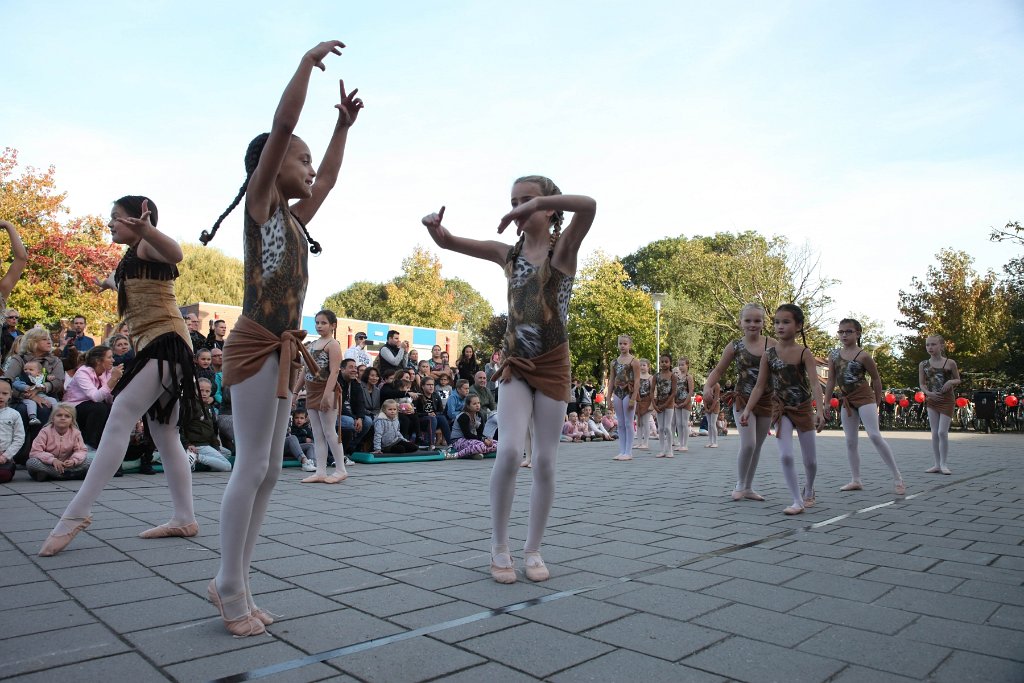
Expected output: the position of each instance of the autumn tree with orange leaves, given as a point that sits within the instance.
(65, 253)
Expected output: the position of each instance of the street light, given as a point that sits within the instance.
(658, 298)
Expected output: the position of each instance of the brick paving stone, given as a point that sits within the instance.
(950, 606)
(340, 581)
(748, 660)
(574, 614)
(266, 653)
(419, 659)
(757, 594)
(38, 593)
(687, 579)
(894, 560)
(396, 598)
(987, 640)
(827, 565)
(756, 571)
(876, 651)
(1008, 616)
(786, 630)
(967, 666)
(855, 614)
(123, 667)
(487, 672)
(996, 592)
(52, 616)
(904, 577)
(610, 565)
(656, 636)
(145, 614)
(973, 571)
(536, 649)
(30, 653)
(122, 592)
(668, 602)
(860, 674)
(838, 586)
(821, 550)
(483, 592)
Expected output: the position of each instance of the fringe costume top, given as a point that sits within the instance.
(536, 343)
(145, 300)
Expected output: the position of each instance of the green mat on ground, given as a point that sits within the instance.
(422, 456)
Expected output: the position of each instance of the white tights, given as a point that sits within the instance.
(712, 428)
(128, 408)
(681, 420)
(643, 429)
(939, 424)
(260, 422)
(867, 414)
(624, 416)
(807, 450)
(324, 426)
(751, 439)
(519, 406)
(665, 431)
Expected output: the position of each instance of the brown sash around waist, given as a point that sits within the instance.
(802, 415)
(763, 407)
(248, 347)
(548, 373)
(861, 395)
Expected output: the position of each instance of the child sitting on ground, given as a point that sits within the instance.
(468, 439)
(299, 443)
(199, 435)
(12, 432)
(58, 451)
(572, 430)
(387, 436)
(597, 431)
(31, 383)
(610, 425)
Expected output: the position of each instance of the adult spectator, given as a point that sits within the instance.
(435, 356)
(10, 331)
(77, 336)
(488, 406)
(579, 397)
(351, 420)
(370, 384)
(90, 392)
(467, 365)
(358, 352)
(218, 335)
(122, 348)
(36, 345)
(441, 368)
(217, 360)
(413, 361)
(198, 340)
(394, 354)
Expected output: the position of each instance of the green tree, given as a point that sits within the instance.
(360, 300)
(476, 313)
(1012, 343)
(208, 274)
(968, 309)
(602, 307)
(419, 296)
(66, 254)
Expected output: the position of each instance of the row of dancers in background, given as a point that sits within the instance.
(777, 387)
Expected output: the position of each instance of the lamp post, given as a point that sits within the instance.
(658, 298)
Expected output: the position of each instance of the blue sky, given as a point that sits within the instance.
(879, 132)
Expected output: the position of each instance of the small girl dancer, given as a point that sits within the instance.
(682, 405)
(468, 432)
(748, 365)
(644, 405)
(938, 376)
(534, 376)
(161, 381)
(712, 406)
(847, 366)
(625, 392)
(322, 394)
(794, 377)
(267, 337)
(665, 391)
(58, 451)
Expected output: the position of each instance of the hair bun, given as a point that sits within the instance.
(205, 237)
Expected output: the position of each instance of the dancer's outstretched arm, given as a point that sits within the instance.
(488, 250)
(20, 254)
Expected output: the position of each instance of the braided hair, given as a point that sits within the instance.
(798, 317)
(252, 160)
(547, 189)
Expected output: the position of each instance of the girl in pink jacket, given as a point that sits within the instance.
(58, 451)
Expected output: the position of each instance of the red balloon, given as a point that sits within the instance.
(890, 398)
(1011, 401)
(961, 402)
(698, 398)
(834, 402)
(904, 402)
(919, 397)
(599, 398)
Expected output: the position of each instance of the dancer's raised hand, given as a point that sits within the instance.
(325, 48)
(348, 108)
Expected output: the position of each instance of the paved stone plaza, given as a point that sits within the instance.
(656, 576)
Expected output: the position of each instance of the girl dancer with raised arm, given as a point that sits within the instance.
(534, 373)
(938, 376)
(161, 380)
(847, 366)
(748, 363)
(19, 261)
(267, 337)
(644, 405)
(665, 393)
(322, 397)
(624, 388)
(683, 404)
(794, 377)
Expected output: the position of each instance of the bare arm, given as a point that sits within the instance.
(921, 378)
(330, 166)
(583, 210)
(333, 365)
(811, 367)
(876, 379)
(830, 386)
(635, 364)
(728, 354)
(18, 263)
(488, 250)
(954, 379)
(260, 194)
